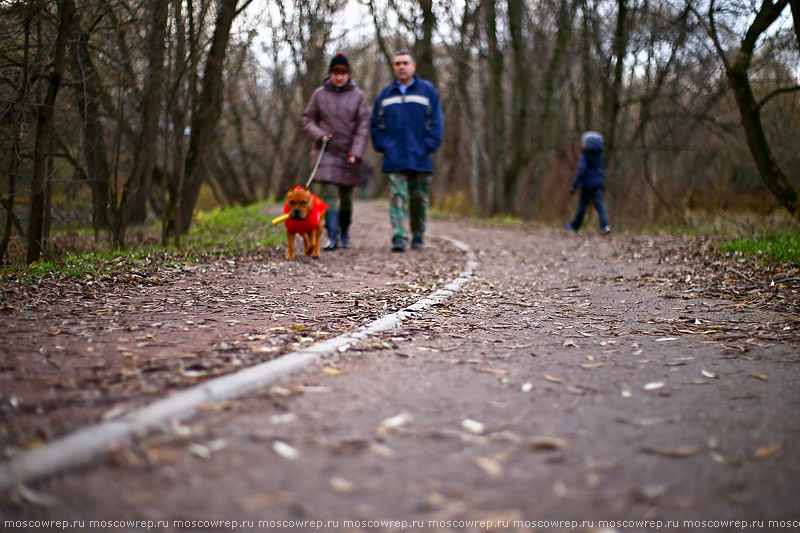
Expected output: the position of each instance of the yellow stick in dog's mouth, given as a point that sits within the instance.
(276, 221)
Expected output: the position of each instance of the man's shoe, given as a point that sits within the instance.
(399, 245)
(416, 243)
(570, 228)
(605, 230)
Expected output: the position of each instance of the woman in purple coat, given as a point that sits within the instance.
(338, 112)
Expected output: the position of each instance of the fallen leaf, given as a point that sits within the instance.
(570, 343)
(285, 450)
(644, 421)
(766, 451)
(654, 385)
(762, 377)
(542, 443)
(381, 450)
(342, 485)
(679, 361)
(331, 371)
(490, 466)
(114, 412)
(651, 493)
(677, 453)
(219, 406)
(34, 497)
(266, 500)
(163, 455)
(552, 379)
(203, 452)
(261, 349)
(592, 365)
(473, 426)
(527, 387)
(721, 459)
(283, 419)
(317, 389)
(708, 374)
(665, 339)
(495, 371)
(393, 422)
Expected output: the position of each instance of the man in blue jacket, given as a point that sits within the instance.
(590, 179)
(407, 128)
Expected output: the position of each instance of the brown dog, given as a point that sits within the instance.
(306, 213)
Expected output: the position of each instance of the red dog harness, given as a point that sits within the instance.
(308, 224)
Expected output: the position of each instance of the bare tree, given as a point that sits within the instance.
(16, 112)
(206, 113)
(137, 187)
(44, 132)
(737, 73)
(495, 108)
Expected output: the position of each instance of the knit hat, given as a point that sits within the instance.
(339, 59)
(592, 140)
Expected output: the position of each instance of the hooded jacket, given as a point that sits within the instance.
(591, 174)
(341, 112)
(407, 128)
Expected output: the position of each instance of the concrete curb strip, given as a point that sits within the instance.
(80, 447)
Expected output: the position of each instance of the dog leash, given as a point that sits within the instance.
(316, 165)
(278, 220)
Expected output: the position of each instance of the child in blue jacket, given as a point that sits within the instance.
(590, 179)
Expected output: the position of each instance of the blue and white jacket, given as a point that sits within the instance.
(591, 174)
(407, 128)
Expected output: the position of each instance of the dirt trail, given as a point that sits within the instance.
(579, 378)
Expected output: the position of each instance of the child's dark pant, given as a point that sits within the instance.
(596, 197)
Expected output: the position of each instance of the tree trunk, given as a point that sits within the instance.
(44, 131)
(137, 188)
(14, 160)
(613, 96)
(387, 54)
(206, 115)
(520, 111)
(588, 93)
(770, 172)
(424, 46)
(546, 134)
(87, 101)
(177, 115)
(495, 110)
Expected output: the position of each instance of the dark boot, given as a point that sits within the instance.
(345, 217)
(332, 227)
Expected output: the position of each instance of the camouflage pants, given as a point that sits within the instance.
(409, 202)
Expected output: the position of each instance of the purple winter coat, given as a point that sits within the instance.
(343, 113)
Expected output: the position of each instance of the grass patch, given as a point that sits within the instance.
(234, 229)
(782, 247)
(221, 231)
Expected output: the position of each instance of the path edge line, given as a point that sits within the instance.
(79, 447)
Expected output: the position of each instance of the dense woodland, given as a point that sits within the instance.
(116, 112)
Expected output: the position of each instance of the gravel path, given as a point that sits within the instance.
(573, 380)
